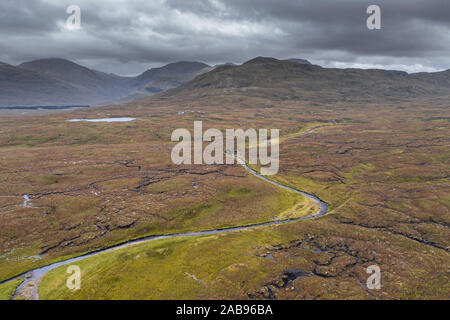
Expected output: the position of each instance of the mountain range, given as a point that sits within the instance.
(61, 82)
(291, 80)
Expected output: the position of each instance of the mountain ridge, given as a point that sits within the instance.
(289, 80)
(32, 86)
(58, 81)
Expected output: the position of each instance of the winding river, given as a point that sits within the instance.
(32, 278)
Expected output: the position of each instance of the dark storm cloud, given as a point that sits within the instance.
(129, 36)
(409, 26)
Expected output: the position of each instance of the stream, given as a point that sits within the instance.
(32, 278)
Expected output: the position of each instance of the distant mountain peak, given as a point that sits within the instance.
(297, 79)
(47, 62)
(180, 67)
(262, 60)
(179, 72)
(227, 64)
(61, 81)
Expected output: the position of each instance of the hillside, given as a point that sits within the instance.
(100, 84)
(290, 80)
(19, 86)
(58, 82)
(167, 77)
(382, 169)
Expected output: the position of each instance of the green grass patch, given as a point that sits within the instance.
(7, 289)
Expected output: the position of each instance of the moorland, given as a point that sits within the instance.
(379, 159)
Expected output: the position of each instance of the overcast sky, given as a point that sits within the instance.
(129, 36)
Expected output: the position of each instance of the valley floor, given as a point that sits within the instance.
(383, 170)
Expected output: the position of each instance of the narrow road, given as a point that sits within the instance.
(29, 287)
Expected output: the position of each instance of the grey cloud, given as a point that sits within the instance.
(127, 37)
